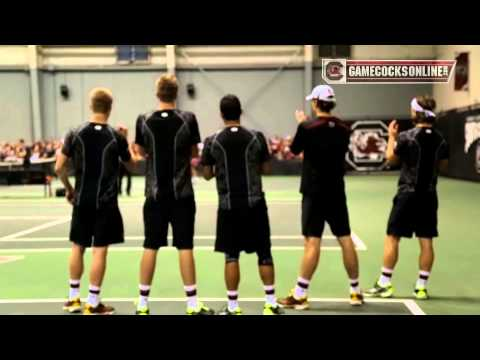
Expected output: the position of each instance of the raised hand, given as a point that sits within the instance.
(393, 129)
(300, 116)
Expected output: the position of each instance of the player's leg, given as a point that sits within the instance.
(427, 258)
(129, 183)
(156, 232)
(383, 287)
(350, 261)
(148, 265)
(232, 282)
(426, 230)
(313, 224)
(81, 232)
(298, 297)
(97, 274)
(267, 275)
(339, 221)
(400, 224)
(183, 226)
(76, 267)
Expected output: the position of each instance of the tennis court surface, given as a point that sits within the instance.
(34, 251)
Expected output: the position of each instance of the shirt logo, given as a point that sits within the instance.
(98, 127)
(331, 124)
(234, 129)
(429, 131)
(164, 115)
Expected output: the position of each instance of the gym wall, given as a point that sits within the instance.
(445, 94)
(15, 108)
(270, 111)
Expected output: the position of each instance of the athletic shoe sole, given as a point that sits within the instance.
(73, 310)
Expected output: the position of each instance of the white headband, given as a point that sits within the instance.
(416, 107)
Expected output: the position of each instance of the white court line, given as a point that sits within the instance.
(411, 305)
(36, 228)
(414, 308)
(359, 244)
(33, 217)
(10, 259)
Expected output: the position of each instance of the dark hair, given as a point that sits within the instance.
(325, 106)
(231, 108)
(428, 103)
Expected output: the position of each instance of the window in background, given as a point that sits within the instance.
(335, 51)
(129, 54)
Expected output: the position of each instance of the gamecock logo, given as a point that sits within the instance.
(368, 144)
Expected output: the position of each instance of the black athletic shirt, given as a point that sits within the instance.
(420, 150)
(237, 154)
(324, 142)
(167, 137)
(95, 150)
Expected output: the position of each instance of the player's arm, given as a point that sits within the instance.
(443, 166)
(207, 161)
(266, 168)
(62, 171)
(208, 172)
(137, 155)
(444, 155)
(392, 158)
(195, 151)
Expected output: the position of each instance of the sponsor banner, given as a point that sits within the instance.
(342, 71)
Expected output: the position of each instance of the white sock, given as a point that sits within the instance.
(270, 297)
(74, 290)
(386, 277)
(191, 292)
(232, 300)
(422, 279)
(355, 286)
(144, 294)
(301, 289)
(93, 296)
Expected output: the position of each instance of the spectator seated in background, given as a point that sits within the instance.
(21, 153)
(280, 148)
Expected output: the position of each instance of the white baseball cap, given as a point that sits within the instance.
(323, 93)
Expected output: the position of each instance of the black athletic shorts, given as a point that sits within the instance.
(330, 208)
(244, 229)
(93, 227)
(414, 213)
(158, 214)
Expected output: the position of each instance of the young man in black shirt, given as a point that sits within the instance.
(95, 149)
(324, 142)
(421, 151)
(237, 157)
(168, 138)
